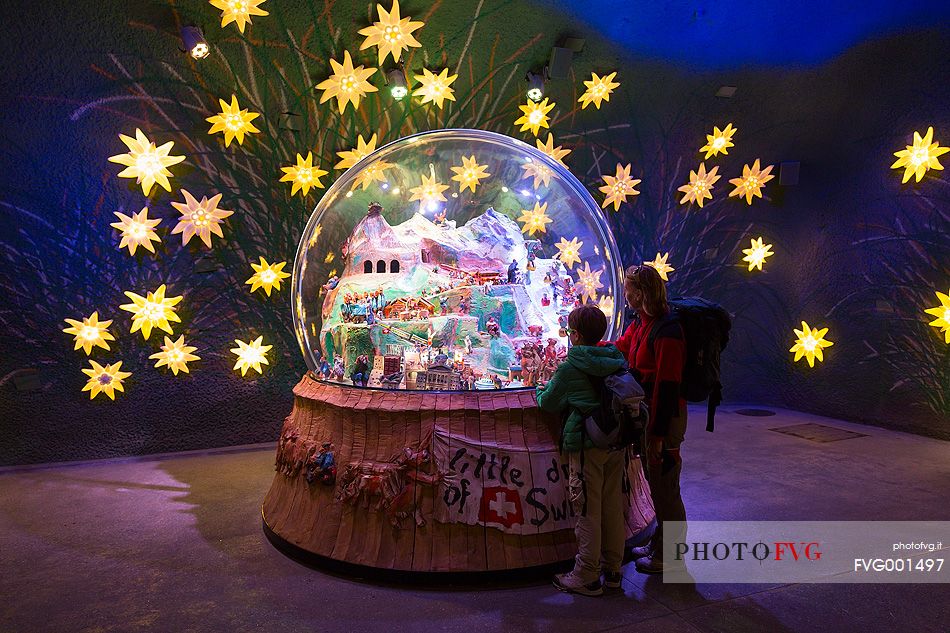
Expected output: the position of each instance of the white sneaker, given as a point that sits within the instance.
(572, 584)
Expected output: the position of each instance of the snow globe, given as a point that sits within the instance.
(449, 259)
(431, 291)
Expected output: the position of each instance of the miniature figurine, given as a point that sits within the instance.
(512, 271)
(361, 370)
(321, 466)
(339, 371)
(492, 327)
(545, 301)
(331, 283)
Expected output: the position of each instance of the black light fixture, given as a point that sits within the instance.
(536, 84)
(194, 43)
(396, 80)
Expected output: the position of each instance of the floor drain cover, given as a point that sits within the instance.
(818, 432)
(758, 413)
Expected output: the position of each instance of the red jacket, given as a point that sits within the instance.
(659, 367)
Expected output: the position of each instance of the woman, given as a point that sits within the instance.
(655, 348)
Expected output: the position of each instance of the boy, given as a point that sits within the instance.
(596, 474)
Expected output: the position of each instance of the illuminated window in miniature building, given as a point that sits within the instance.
(465, 283)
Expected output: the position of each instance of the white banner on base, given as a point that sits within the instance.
(514, 491)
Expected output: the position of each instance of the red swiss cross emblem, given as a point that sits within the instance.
(500, 505)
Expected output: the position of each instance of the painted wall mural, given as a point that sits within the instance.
(179, 120)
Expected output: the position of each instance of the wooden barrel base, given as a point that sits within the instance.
(456, 482)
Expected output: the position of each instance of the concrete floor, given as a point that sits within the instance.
(175, 544)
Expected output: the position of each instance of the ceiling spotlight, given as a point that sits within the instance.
(535, 85)
(194, 42)
(396, 80)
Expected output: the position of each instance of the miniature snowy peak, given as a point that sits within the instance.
(478, 294)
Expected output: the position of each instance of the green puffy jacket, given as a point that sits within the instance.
(570, 388)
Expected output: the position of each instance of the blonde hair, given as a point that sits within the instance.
(647, 280)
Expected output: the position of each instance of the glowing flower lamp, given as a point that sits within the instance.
(569, 252)
(435, 88)
(199, 218)
(557, 153)
(606, 305)
(373, 173)
(303, 175)
(752, 181)
(145, 162)
(661, 266)
(469, 173)
(920, 157)
(238, 11)
(535, 115)
(391, 34)
(589, 282)
(105, 380)
(250, 355)
(598, 89)
(809, 344)
(234, 121)
(90, 332)
(429, 192)
(756, 255)
(719, 141)
(700, 185)
(535, 219)
(347, 84)
(175, 355)
(267, 276)
(618, 187)
(538, 172)
(137, 230)
(154, 310)
(942, 312)
(350, 157)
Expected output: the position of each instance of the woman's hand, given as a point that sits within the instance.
(654, 448)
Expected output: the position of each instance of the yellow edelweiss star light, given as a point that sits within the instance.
(538, 171)
(428, 193)
(751, 182)
(535, 115)
(810, 343)
(153, 310)
(700, 185)
(557, 153)
(372, 173)
(90, 332)
(469, 174)
(350, 157)
(606, 305)
(718, 141)
(105, 380)
(329, 258)
(757, 254)
(569, 252)
(589, 282)
(267, 276)
(137, 230)
(942, 312)
(175, 355)
(250, 355)
(145, 162)
(199, 218)
(920, 156)
(238, 11)
(435, 88)
(303, 175)
(233, 121)
(598, 89)
(347, 84)
(661, 266)
(618, 187)
(536, 219)
(391, 34)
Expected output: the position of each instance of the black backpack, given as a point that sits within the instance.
(622, 415)
(706, 328)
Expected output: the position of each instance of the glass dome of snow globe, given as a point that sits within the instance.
(449, 260)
